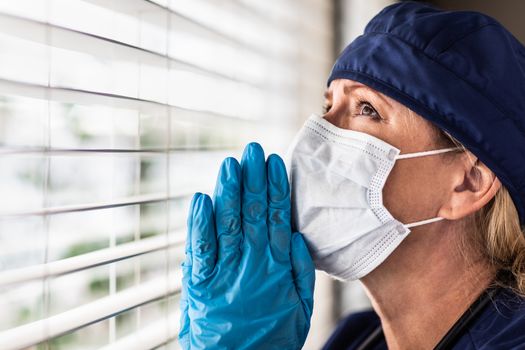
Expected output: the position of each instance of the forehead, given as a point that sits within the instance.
(347, 83)
(347, 87)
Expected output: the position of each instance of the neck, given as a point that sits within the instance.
(425, 285)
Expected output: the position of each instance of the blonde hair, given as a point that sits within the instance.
(498, 236)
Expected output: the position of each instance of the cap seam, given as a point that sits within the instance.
(463, 37)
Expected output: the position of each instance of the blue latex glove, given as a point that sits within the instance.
(247, 280)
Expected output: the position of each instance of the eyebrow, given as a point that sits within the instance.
(327, 94)
(376, 94)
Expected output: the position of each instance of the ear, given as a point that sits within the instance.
(473, 187)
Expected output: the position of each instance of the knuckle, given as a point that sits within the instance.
(278, 194)
(277, 217)
(202, 247)
(254, 209)
(229, 223)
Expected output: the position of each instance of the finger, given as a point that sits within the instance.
(227, 205)
(303, 271)
(187, 250)
(279, 231)
(186, 275)
(254, 199)
(203, 240)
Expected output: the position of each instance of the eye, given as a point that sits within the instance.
(365, 108)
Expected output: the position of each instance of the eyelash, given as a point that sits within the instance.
(360, 103)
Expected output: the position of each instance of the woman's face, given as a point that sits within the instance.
(416, 187)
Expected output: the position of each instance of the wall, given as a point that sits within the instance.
(507, 12)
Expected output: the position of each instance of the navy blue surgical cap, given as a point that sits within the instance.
(461, 70)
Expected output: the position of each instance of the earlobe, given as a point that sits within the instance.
(477, 187)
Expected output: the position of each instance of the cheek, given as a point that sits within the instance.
(413, 190)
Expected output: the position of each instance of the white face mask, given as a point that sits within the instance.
(337, 177)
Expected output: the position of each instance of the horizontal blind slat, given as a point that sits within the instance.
(144, 199)
(92, 43)
(61, 93)
(92, 259)
(78, 151)
(150, 337)
(82, 316)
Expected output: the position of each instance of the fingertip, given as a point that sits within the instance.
(194, 204)
(275, 158)
(232, 168)
(276, 164)
(255, 146)
(194, 199)
(253, 168)
(297, 237)
(203, 210)
(253, 150)
(298, 241)
(230, 161)
(228, 178)
(206, 201)
(189, 222)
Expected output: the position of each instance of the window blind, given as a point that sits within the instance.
(112, 114)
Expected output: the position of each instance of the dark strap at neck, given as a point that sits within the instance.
(372, 339)
(454, 332)
(466, 319)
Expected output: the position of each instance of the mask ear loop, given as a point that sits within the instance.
(425, 153)
(422, 154)
(423, 222)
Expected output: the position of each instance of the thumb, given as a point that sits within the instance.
(186, 266)
(303, 271)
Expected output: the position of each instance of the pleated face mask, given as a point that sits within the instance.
(337, 177)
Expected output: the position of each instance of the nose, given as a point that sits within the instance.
(332, 118)
(337, 118)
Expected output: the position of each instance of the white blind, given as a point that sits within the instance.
(112, 114)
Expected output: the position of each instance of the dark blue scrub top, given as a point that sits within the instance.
(500, 325)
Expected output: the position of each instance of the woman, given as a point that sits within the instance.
(413, 181)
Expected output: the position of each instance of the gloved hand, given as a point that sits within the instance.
(247, 280)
